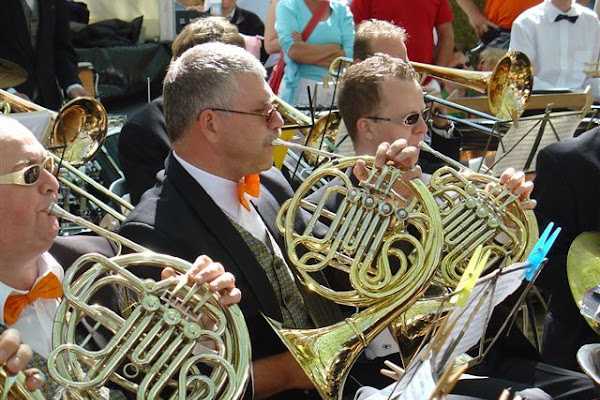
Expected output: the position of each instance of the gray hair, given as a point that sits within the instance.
(204, 77)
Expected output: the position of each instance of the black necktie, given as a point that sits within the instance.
(571, 19)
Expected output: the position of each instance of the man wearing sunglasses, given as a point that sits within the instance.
(30, 277)
(376, 36)
(381, 102)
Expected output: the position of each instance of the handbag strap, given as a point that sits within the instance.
(316, 17)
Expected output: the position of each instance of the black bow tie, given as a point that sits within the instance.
(571, 19)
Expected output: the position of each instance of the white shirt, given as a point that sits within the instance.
(558, 50)
(224, 193)
(35, 322)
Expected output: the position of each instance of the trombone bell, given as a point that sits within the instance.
(508, 86)
(78, 129)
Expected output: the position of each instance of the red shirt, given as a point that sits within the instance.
(417, 17)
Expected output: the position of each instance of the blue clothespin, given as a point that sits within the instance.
(540, 250)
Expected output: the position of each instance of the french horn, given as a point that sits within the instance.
(386, 244)
(168, 339)
(477, 210)
(474, 210)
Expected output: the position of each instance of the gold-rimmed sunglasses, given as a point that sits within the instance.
(30, 174)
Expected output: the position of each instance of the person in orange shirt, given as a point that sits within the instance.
(497, 14)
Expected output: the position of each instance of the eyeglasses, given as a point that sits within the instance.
(28, 175)
(268, 116)
(408, 120)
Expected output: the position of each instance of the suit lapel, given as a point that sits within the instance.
(219, 226)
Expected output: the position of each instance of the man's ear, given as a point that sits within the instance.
(363, 129)
(208, 123)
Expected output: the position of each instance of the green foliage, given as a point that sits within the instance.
(464, 36)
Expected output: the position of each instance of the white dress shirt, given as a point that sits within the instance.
(35, 322)
(224, 193)
(558, 50)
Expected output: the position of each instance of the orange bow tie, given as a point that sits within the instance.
(249, 184)
(49, 287)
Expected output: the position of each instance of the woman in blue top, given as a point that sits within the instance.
(307, 62)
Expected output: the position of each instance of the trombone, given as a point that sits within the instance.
(74, 135)
(508, 86)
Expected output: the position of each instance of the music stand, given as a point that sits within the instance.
(432, 371)
(518, 148)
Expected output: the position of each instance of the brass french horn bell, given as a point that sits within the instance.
(387, 246)
(75, 133)
(583, 268)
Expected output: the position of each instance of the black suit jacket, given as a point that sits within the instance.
(143, 147)
(567, 189)
(53, 62)
(179, 218)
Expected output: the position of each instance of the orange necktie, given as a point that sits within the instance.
(249, 184)
(49, 287)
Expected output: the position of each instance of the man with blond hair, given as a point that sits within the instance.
(377, 36)
(382, 102)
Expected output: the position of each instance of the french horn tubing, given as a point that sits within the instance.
(474, 209)
(172, 340)
(387, 245)
(477, 210)
(18, 390)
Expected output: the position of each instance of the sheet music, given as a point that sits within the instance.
(515, 146)
(421, 385)
(469, 336)
(506, 284)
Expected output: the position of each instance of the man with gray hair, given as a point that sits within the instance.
(221, 121)
(143, 142)
(220, 196)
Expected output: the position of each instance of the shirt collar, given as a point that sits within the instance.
(46, 265)
(551, 11)
(221, 190)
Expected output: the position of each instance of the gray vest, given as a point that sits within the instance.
(287, 293)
